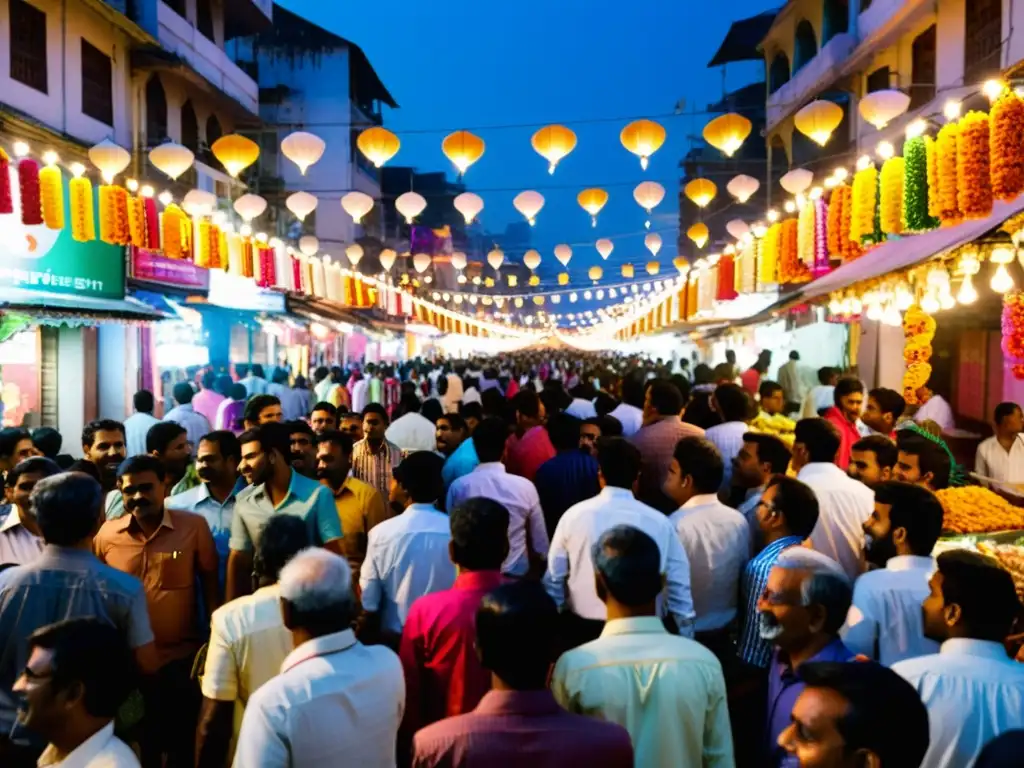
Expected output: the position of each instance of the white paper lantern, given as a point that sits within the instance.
(469, 205)
(529, 204)
(309, 245)
(301, 204)
(357, 205)
(496, 258)
(531, 259)
(737, 228)
(110, 158)
(880, 107)
(171, 158)
(648, 195)
(354, 253)
(743, 187)
(387, 259)
(796, 181)
(199, 202)
(303, 149)
(459, 260)
(563, 253)
(421, 261)
(249, 206)
(410, 205)
(653, 243)
(605, 247)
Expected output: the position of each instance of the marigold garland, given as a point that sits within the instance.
(83, 221)
(1006, 146)
(1013, 332)
(890, 204)
(932, 152)
(915, 187)
(114, 226)
(28, 183)
(918, 332)
(6, 198)
(864, 200)
(805, 235)
(973, 177)
(726, 287)
(136, 222)
(51, 196)
(839, 198)
(768, 261)
(791, 269)
(175, 242)
(946, 175)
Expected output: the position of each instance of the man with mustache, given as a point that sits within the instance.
(303, 445)
(103, 444)
(170, 552)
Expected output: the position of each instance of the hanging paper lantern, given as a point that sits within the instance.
(309, 245)
(529, 204)
(592, 201)
(531, 259)
(354, 253)
(796, 181)
(534, 281)
(973, 174)
(648, 195)
(818, 120)
(496, 258)
(83, 223)
(173, 159)
(387, 259)
(199, 202)
(356, 205)
(653, 243)
(563, 278)
(653, 267)
(235, 152)
(250, 206)
(743, 187)
(699, 234)
(469, 205)
(881, 107)
(421, 262)
(727, 132)
(701, 192)
(890, 202)
(563, 253)
(410, 205)
(627, 271)
(378, 145)
(738, 228)
(553, 143)
(605, 247)
(463, 149)
(946, 171)
(595, 273)
(681, 264)
(110, 158)
(301, 204)
(643, 138)
(28, 184)
(303, 149)
(915, 186)
(51, 196)
(1007, 146)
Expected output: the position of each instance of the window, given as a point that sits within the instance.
(178, 6)
(28, 45)
(778, 72)
(97, 84)
(983, 35)
(189, 127)
(156, 112)
(878, 80)
(922, 69)
(213, 132)
(805, 45)
(204, 18)
(835, 19)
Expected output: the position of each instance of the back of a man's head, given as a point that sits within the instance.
(316, 586)
(665, 398)
(984, 592)
(619, 461)
(67, 508)
(489, 439)
(161, 435)
(283, 538)
(143, 401)
(820, 438)
(479, 528)
(420, 475)
(628, 563)
(47, 441)
(916, 510)
(516, 628)
(564, 431)
(733, 402)
(183, 393)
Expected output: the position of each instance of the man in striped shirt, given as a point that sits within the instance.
(374, 457)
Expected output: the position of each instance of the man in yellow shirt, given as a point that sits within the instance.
(360, 505)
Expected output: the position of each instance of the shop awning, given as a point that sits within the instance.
(46, 308)
(909, 251)
(743, 40)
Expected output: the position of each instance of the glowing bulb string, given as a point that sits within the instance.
(565, 289)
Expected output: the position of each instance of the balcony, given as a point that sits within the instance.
(815, 76)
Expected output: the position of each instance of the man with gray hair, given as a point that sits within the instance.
(334, 695)
(803, 605)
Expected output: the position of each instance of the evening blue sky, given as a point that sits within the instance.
(465, 63)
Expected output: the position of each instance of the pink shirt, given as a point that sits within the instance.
(524, 456)
(443, 675)
(750, 379)
(848, 435)
(206, 402)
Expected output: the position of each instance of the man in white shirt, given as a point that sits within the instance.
(667, 691)
(934, 408)
(792, 382)
(735, 408)
(884, 622)
(843, 503)
(716, 539)
(411, 431)
(21, 541)
(527, 534)
(406, 556)
(972, 689)
(630, 412)
(137, 425)
(570, 575)
(1001, 457)
(248, 642)
(360, 392)
(78, 674)
(582, 405)
(335, 696)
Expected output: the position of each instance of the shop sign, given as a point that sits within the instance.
(36, 258)
(149, 267)
(235, 292)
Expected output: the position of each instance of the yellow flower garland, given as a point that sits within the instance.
(973, 178)
(805, 235)
(891, 203)
(862, 204)
(934, 207)
(83, 224)
(173, 235)
(946, 175)
(768, 262)
(51, 194)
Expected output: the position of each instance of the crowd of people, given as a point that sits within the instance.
(549, 559)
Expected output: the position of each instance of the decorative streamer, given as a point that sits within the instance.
(890, 204)
(248, 265)
(791, 269)
(28, 183)
(1006, 146)
(235, 254)
(946, 175)
(973, 175)
(108, 215)
(6, 198)
(51, 196)
(864, 201)
(821, 262)
(222, 249)
(915, 187)
(839, 198)
(934, 199)
(83, 224)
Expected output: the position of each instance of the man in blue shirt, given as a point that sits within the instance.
(274, 489)
(186, 415)
(454, 445)
(568, 478)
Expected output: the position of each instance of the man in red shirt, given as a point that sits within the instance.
(524, 454)
(849, 401)
(443, 674)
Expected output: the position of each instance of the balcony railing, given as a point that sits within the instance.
(816, 75)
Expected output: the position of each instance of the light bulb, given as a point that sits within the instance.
(831, 182)
(790, 206)
(993, 89)
(916, 128)
(946, 300)
(875, 311)
(245, 230)
(77, 169)
(147, 191)
(816, 192)
(1001, 280)
(50, 157)
(133, 185)
(929, 303)
(892, 316)
(863, 162)
(904, 298)
(835, 307)
(20, 149)
(165, 198)
(885, 150)
(773, 215)
(951, 110)
(841, 174)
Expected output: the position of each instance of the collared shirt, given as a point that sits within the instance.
(524, 456)
(784, 687)
(206, 402)
(406, 558)
(229, 415)
(630, 417)
(412, 432)
(254, 385)
(717, 543)
(820, 398)
(849, 434)
(992, 460)
(884, 622)
(521, 729)
(443, 674)
(169, 563)
(359, 395)
(791, 381)
(294, 403)
(570, 575)
(937, 410)
(751, 647)
(136, 427)
(749, 511)
(973, 692)
(460, 463)
(101, 750)
(728, 439)
(334, 697)
(218, 515)
(360, 508)
(667, 691)
(376, 467)
(582, 409)
(527, 533)
(62, 584)
(195, 424)
(567, 479)
(844, 505)
(306, 499)
(18, 545)
(657, 444)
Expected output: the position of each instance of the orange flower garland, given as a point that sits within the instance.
(1006, 146)
(946, 175)
(791, 269)
(931, 147)
(918, 332)
(973, 178)
(113, 215)
(174, 222)
(51, 195)
(136, 222)
(839, 198)
(863, 203)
